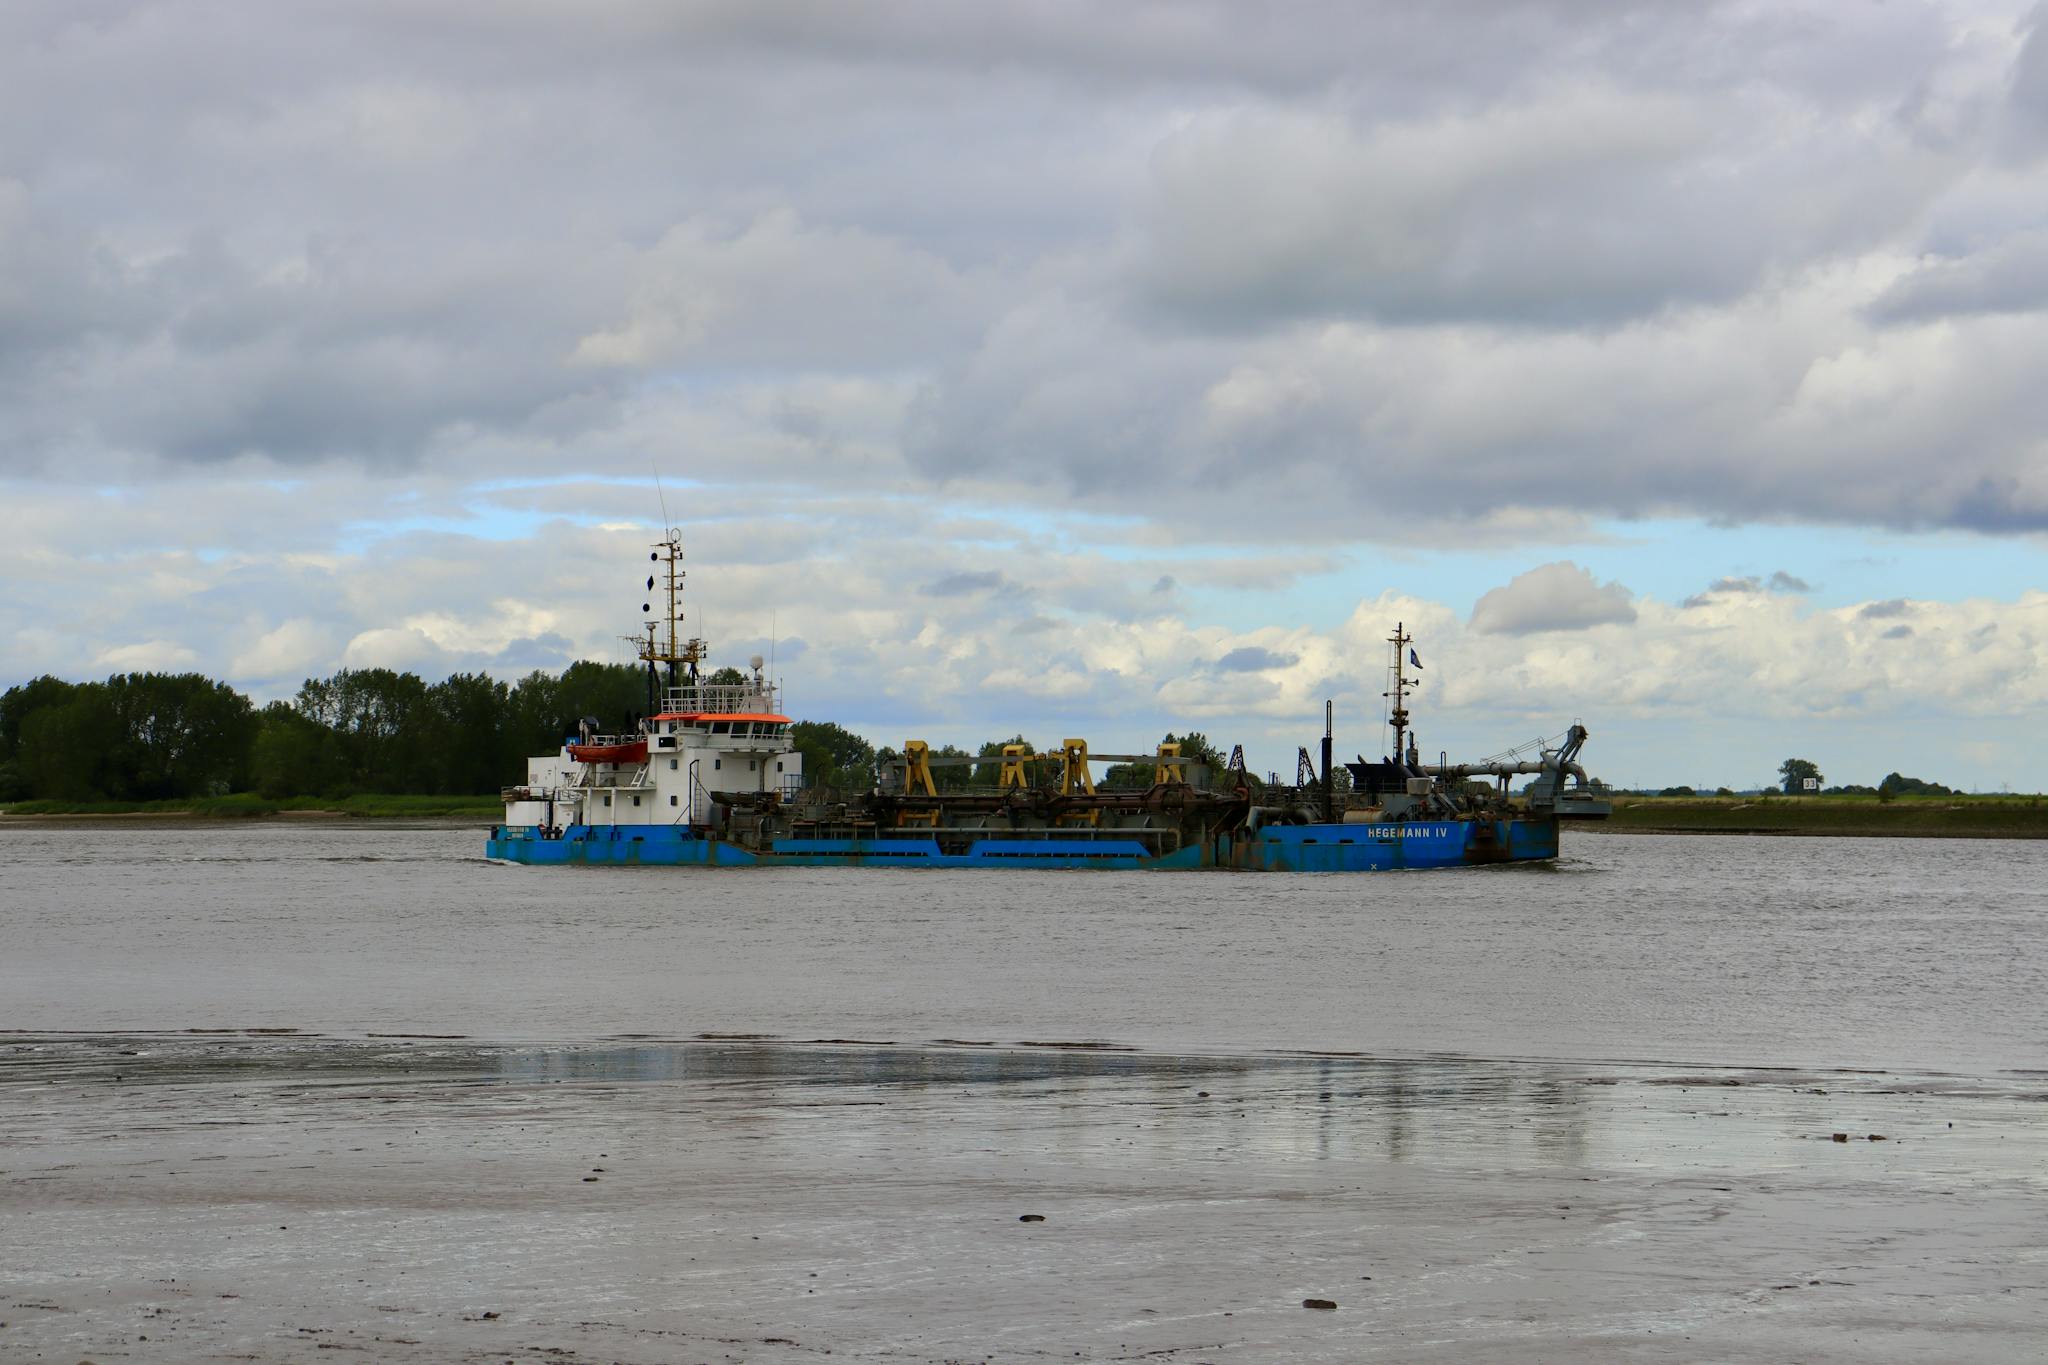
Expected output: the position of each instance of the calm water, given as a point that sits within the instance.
(1927, 954)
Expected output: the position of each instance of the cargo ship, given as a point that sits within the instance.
(711, 777)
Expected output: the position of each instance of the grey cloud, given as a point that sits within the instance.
(965, 583)
(1559, 596)
(2026, 107)
(1253, 659)
(779, 291)
(549, 651)
(1332, 273)
(1724, 587)
(1426, 226)
(1346, 432)
(1880, 611)
(2008, 276)
(1267, 215)
(1748, 584)
(354, 352)
(1898, 633)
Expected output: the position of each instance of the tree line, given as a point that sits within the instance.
(176, 736)
(1796, 772)
(170, 736)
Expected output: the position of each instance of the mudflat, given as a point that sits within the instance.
(237, 1196)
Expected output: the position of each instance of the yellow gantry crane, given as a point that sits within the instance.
(1075, 776)
(917, 781)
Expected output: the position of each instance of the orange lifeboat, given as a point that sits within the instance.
(629, 751)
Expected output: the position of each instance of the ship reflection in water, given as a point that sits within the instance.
(1316, 1105)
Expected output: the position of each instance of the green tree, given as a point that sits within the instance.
(534, 720)
(16, 706)
(1897, 784)
(834, 756)
(727, 677)
(177, 735)
(469, 711)
(544, 709)
(1194, 747)
(1126, 777)
(615, 694)
(19, 701)
(294, 755)
(66, 749)
(991, 773)
(1795, 772)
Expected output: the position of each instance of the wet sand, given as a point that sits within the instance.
(175, 1198)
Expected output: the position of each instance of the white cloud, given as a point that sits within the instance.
(299, 647)
(146, 656)
(1559, 596)
(394, 647)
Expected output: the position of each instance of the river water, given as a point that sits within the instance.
(1924, 954)
(288, 1091)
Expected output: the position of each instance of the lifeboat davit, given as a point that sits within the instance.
(632, 751)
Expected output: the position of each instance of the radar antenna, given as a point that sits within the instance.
(665, 648)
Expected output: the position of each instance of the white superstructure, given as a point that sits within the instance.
(707, 738)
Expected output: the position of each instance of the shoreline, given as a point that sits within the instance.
(2032, 825)
(153, 817)
(234, 815)
(1796, 832)
(1971, 817)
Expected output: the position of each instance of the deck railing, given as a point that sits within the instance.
(723, 699)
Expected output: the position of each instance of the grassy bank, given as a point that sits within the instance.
(249, 805)
(1934, 817)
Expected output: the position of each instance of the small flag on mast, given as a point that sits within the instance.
(1411, 657)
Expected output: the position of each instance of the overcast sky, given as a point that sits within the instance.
(1075, 368)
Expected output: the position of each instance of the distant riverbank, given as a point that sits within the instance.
(1927, 817)
(248, 805)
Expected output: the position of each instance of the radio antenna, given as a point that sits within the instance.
(661, 496)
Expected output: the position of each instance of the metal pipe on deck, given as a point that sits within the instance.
(1329, 777)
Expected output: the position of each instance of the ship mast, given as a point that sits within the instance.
(1398, 692)
(664, 648)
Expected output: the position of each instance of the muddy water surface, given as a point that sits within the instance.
(1806, 952)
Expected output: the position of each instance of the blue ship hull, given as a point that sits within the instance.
(1275, 848)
